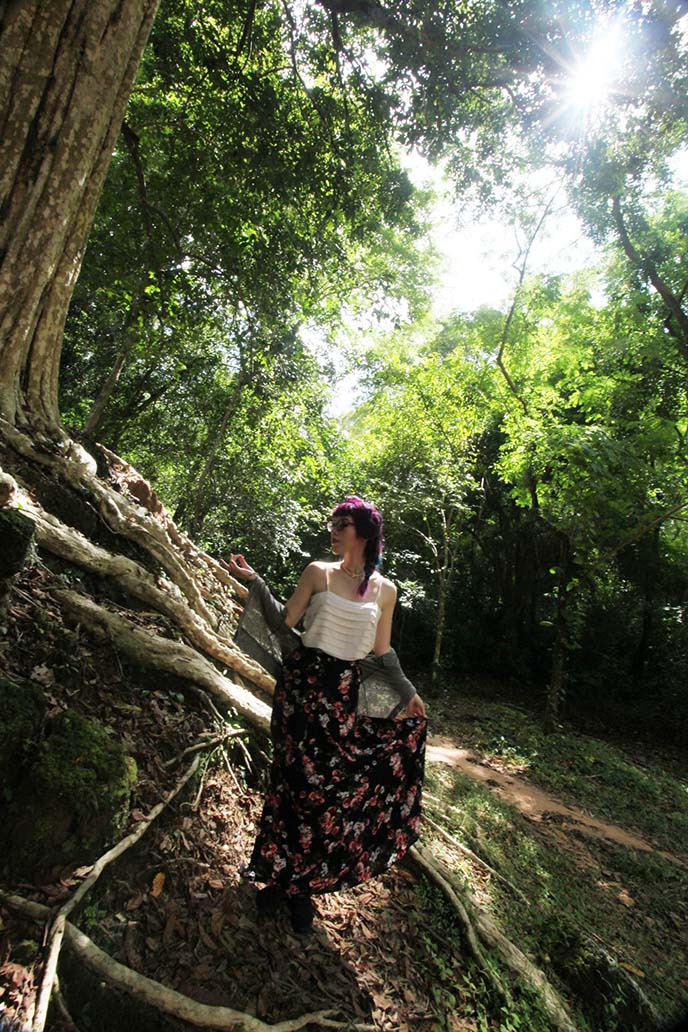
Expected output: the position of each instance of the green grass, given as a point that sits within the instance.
(626, 901)
(463, 988)
(594, 775)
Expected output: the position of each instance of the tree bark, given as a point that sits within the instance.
(439, 627)
(67, 72)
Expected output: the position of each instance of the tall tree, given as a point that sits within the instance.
(65, 81)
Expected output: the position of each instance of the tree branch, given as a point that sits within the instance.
(680, 331)
(522, 257)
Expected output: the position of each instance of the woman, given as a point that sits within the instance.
(345, 789)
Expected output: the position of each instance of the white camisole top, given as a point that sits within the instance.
(339, 626)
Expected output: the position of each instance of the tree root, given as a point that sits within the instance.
(160, 593)
(59, 922)
(474, 856)
(169, 1001)
(153, 530)
(150, 650)
(431, 867)
(130, 479)
(480, 929)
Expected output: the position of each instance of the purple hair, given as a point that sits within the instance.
(368, 524)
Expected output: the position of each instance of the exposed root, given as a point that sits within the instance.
(59, 922)
(150, 650)
(474, 856)
(169, 1001)
(158, 592)
(484, 928)
(432, 869)
(129, 479)
(155, 533)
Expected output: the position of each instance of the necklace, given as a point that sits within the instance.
(356, 576)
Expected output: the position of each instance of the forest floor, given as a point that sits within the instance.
(386, 954)
(594, 833)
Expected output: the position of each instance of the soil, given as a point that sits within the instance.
(533, 802)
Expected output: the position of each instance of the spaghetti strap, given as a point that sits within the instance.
(327, 576)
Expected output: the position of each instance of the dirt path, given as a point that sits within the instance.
(533, 802)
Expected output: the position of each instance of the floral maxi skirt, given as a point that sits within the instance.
(345, 790)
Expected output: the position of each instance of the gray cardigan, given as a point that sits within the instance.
(264, 635)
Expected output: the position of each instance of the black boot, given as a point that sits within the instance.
(269, 900)
(302, 913)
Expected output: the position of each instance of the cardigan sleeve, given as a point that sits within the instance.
(262, 632)
(385, 688)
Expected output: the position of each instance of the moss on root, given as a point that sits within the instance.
(73, 801)
(22, 705)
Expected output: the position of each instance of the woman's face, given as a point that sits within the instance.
(342, 533)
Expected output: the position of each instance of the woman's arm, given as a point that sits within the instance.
(309, 582)
(387, 601)
(297, 604)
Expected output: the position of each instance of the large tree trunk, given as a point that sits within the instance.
(67, 71)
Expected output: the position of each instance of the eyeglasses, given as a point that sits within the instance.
(338, 523)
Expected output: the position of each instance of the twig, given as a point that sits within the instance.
(247, 755)
(474, 856)
(197, 800)
(59, 921)
(169, 1001)
(231, 772)
(65, 1016)
(205, 744)
(208, 701)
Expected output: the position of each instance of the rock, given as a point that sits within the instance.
(16, 535)
(73, 801)
(22, 705)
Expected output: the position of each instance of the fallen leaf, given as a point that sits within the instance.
(216, 922)
(170, 927)
(43, 674)
(633, 970)
(158, 883)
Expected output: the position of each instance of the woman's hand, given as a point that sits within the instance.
(415, 707)
(238, 567)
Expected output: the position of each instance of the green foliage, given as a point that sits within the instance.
(531, 465)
